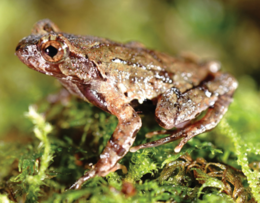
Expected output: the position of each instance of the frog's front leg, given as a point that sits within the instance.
(119, 144)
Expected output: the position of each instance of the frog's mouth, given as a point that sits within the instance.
(30, 56)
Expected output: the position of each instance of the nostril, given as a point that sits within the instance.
(18, 47)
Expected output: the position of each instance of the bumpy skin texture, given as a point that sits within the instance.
(115, 77)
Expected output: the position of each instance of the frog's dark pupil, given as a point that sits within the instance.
(51, 51)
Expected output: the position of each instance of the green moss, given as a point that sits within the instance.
(44, 167)
(242, 151)
(5, 199)
(216, 198)
(33, 166)
(41, 165)
(140, 165)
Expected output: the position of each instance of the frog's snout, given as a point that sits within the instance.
(20, 47)
(17, 48)
(18, 51)
(27, 54)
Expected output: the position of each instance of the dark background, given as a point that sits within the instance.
(228, 31)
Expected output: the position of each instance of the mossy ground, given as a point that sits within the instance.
(46, 164)
(38, 161)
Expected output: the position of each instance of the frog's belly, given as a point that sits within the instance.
(144, 91)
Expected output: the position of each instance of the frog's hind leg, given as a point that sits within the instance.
(179, 110)
(209, 121)
(159, 132)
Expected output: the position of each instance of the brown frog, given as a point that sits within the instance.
(118, 77)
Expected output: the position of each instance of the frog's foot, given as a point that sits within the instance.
(94, 172)
(209, 121)
(166, 132)
(90, 174)
(159, 132)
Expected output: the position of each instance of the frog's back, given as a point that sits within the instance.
(140, 70)
(135, 63)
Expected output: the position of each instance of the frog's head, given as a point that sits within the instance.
(49, 51)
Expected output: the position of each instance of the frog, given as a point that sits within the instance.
(119, 77)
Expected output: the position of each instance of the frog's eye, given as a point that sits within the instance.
(53, 51)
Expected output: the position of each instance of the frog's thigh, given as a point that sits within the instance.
(175, 109)
(223, 85)
(209, 121)
(166, 110)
